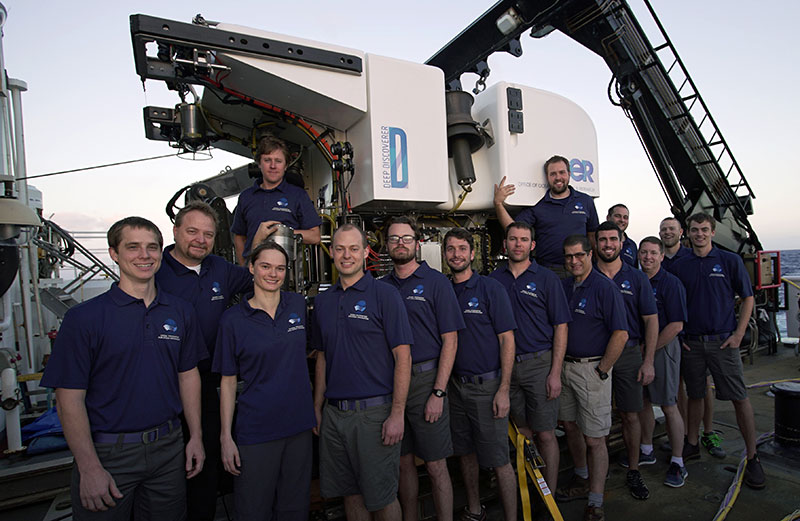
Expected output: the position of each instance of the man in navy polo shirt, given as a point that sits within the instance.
(620, 215)
(272, 201)
(712, 336)
(561, 212)
(363, 370)
(663, 391)
(542, 313)
(671, 231)
(435, 320)
(208, 282)
(634, 368)
(481, 380)
(597, 336)
(124, 366)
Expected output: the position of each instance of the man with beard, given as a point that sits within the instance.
(479, 402)
(620, 215)
(670, 231)
(562, 211)
(208, 282)
(597, 336)
(712, 278)
(634, 368)
(541, 311)
(361, 332)
(435, 320)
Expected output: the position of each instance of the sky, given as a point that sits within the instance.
(84, 101)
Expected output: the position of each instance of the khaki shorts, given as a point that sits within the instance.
(529, 403)
(428, 441)
(353, 459)
(586, 399)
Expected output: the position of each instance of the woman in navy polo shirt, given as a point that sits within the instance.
(263, 341)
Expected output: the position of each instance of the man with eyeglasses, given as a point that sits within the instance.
(562, 211)
(597, 335)
(435, 320)
(541, 312)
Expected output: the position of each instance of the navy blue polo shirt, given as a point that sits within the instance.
(539, 304)
(711, 283)
(357, 328)
(127, 357)
(667, 263)
(597, 311)
(630, 252)
(670, 298)
(270, 357)
(638, 297)
(554, 220)
(286, 203)
(210, 292)
(487, 312)
(432, 309)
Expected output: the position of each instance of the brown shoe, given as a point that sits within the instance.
(577, 488)
(593, 513)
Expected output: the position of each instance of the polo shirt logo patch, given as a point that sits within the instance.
(530, 290)
(171, 327)
(716, 271)
(581, 307)
(359, 308)
(579, 209)
(295, 323)
(625, 287)
(281, 206)
(216, 291)
(416, 293)
(473, 306)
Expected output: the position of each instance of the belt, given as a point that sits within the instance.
(478, 378)
(424, 367)
(632, 343)
(528, 356)
(576, 360)
(361, 403)
(707, 338)
(147, 436)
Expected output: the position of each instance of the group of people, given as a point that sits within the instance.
(414, 365)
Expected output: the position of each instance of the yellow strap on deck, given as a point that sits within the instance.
(525, 467)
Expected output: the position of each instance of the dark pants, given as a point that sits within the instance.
(201, 490)
(151, 478)
(275, 483)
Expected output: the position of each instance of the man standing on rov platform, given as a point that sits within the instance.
(435, 320)
(563, 211)
(363, 370)
(712, 336)
(124, 366)
(542, 313)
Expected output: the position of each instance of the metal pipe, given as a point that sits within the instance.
(13, 431)
(8, 312)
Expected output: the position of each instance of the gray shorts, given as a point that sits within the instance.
(428, 441)
(472, 422)
(275, 482)
(725, 366)
(586, 399)
(628, 393)
(353, 459)
(151, 478)
(529, 403)
(663, 390)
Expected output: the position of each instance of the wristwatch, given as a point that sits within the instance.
(439, 393)
(602, 374)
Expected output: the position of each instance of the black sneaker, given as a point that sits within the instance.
(636, 485)
(754, 474)
(644, 459)
(690, 451)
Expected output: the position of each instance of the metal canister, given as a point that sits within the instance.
(284, 237)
